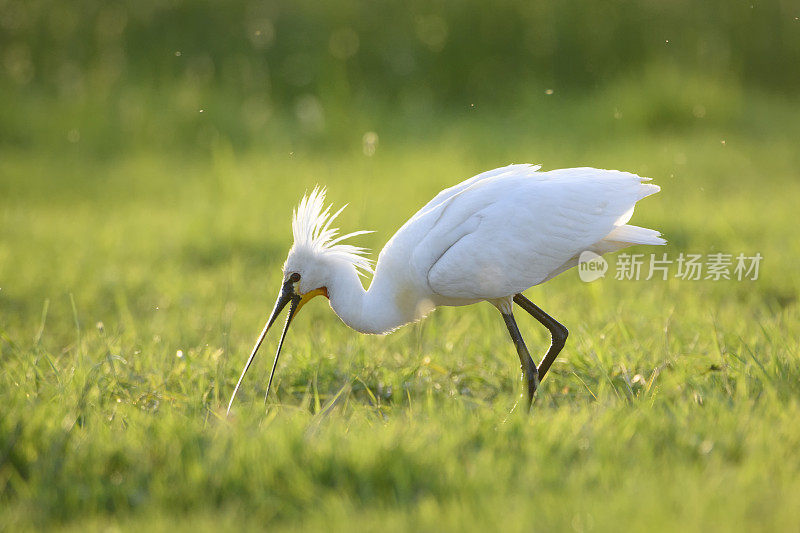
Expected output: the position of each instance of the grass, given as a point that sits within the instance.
(133, 284)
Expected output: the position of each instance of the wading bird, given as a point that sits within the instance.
(489, 238)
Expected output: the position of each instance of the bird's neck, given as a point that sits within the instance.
(375, 311)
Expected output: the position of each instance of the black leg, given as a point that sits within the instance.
(558, 333)
(529, 372)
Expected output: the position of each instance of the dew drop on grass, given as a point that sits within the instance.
(179, 354)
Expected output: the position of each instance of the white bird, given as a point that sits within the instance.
(489, 238)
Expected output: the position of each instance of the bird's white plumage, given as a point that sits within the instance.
(508, 229)
(314, 236)
(487, 238)
(494, 244)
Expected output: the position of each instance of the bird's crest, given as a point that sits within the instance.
(311, 227)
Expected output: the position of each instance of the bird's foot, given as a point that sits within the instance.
(530, 377)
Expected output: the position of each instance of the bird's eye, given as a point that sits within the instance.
(294, 278)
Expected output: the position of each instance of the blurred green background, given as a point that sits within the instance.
(117, 76)
(150, 156)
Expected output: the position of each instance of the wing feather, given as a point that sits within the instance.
(514, 227)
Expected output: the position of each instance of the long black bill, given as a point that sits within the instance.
(286, 296)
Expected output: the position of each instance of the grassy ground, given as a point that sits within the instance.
(132, 286)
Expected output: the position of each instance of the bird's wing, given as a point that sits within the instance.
(404, 256)
(504, 233)
(450, 192)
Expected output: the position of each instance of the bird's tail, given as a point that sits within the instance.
(628, 234)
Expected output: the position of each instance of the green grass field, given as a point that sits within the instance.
(133, 283)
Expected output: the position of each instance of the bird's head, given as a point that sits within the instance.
(315, 257)
(312, 271)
